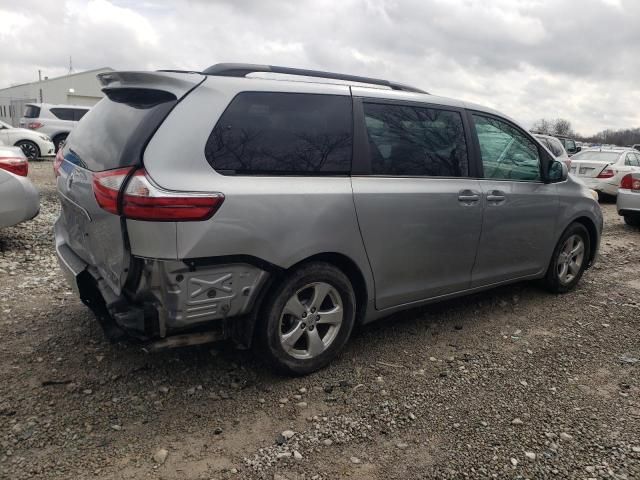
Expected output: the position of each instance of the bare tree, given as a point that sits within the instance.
(562, 126)
(559, 126)
(543, 126)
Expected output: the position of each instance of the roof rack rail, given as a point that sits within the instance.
(243, 69)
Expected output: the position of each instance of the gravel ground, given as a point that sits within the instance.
(510, 383)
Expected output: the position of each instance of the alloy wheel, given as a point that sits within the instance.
(570, 259)
(30, 150)
(310, 320)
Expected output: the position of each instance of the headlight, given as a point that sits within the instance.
(594, 194)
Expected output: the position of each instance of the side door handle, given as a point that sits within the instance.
(495, 196)
(468, 197)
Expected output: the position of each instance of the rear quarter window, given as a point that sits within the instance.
(271, 133)
(31, 111)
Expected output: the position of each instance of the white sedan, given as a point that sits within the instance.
(19, 200)
(603, 169)
(33, 144)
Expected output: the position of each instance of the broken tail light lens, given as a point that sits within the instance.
(143, 200)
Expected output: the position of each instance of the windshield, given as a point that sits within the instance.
(597, 156)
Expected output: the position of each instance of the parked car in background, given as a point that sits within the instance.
(628, 201)
(55, 121)
(33, 144)
(556, 147)
(569, 145)
(292, 198)
(636, 146)
(603, 169)
(19, 199)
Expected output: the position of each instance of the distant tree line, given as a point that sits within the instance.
(561, 126)
(623, 137)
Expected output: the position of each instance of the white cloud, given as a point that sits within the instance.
(527, 58)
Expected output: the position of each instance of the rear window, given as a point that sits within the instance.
(31, 111)
(554, 145)
(268, 133)
(114, 132)
(597, 156)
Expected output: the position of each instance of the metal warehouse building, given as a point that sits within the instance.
(74, 89)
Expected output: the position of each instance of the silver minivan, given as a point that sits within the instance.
(280, 207)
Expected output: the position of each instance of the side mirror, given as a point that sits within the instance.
(578, 149)
(558, 172)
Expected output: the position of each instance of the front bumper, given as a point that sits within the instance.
(47, 149)
(170, 296)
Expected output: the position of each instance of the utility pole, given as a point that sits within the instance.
(70, 65)
(39, 75)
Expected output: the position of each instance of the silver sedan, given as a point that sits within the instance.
(628, 202)
(19, 199)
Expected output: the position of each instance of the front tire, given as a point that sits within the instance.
(307, 319)
(569, 260)
(632, 220)
(29, 148)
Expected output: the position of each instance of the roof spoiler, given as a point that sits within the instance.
(243, 69)
(176, 85)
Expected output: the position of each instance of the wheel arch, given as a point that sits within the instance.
(245, 329)
(353, 273)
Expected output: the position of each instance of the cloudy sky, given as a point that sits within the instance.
(577, 59)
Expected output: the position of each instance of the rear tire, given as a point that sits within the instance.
(569, 259)
(29, 148)
(307, 319)
(632, 220)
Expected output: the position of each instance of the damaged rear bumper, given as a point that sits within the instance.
(168, 297)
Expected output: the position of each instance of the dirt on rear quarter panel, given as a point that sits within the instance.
(513, 382)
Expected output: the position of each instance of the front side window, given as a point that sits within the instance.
(415, 141)
(507, 153)
(283, 134)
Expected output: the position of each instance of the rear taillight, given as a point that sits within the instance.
(142, 200)
(630, 183)
(606, 173)
(16, 165)
(35, 125)
(57, 163)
